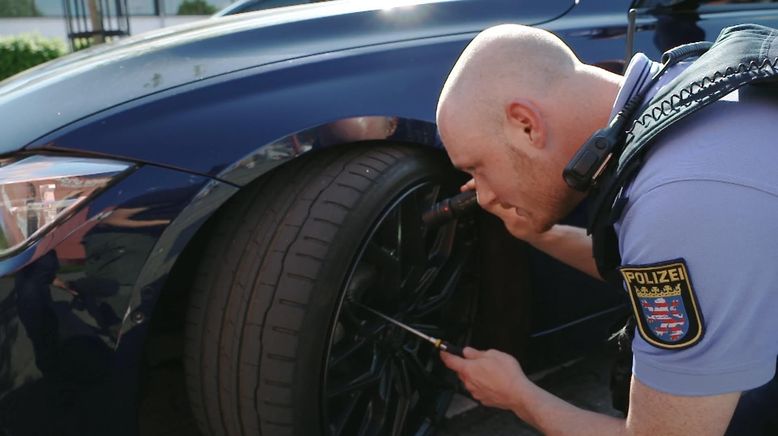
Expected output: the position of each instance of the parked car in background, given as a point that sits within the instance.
(209, 200)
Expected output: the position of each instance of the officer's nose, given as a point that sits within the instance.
(484, 196)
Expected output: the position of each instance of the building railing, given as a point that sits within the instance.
(92, 22)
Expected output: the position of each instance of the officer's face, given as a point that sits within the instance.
(512, 175)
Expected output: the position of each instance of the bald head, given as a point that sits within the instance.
(506, 62)
(514, 109)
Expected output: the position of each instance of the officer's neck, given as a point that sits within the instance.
(593, 96)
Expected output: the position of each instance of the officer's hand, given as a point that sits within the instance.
(492, 377)
(469, 186)
(517, 225)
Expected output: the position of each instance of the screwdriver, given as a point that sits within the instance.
(440, 344)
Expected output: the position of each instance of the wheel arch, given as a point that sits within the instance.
(366, 130)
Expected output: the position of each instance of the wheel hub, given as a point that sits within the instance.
(396, 338)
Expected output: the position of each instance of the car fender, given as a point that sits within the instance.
(215, 128)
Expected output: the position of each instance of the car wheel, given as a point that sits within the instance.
(275, 344)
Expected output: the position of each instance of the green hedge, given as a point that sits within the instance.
(18, 53)
(195, 7)
(18, 8)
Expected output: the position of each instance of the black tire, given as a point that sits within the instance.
(266, 317)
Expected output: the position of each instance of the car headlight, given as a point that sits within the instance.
(37, 191)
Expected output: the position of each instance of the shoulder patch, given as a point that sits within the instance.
(664, 303)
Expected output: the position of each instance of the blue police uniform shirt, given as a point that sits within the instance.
(708, 193)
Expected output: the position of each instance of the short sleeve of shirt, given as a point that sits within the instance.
(727, 233)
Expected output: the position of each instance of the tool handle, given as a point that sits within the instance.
(450, 208)
(451, 348)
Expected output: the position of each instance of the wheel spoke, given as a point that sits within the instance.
(403, 384)
(369, 378)
(382, 399)
(385, 385)
(338, 356)
(422, 286)
(402, 381)
(367, 421)
(410, 234)
(382, 258)
(444, 244)
(415, 366)
(440, 255)
(447, 289)
(422, 374)
(337, 427)
(430, 198)
(370, 330)
(425, 428)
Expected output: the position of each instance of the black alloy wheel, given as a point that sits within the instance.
(379, 378)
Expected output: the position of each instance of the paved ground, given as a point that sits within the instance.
(583, 382)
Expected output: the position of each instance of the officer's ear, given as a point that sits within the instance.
(523, 119)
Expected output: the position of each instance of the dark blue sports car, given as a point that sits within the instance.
(200, 207)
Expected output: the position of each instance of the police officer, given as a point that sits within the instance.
(697, 225)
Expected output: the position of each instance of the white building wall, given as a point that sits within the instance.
(55, 27)
(51, 8)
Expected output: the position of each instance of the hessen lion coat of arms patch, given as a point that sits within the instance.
(664, 304)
